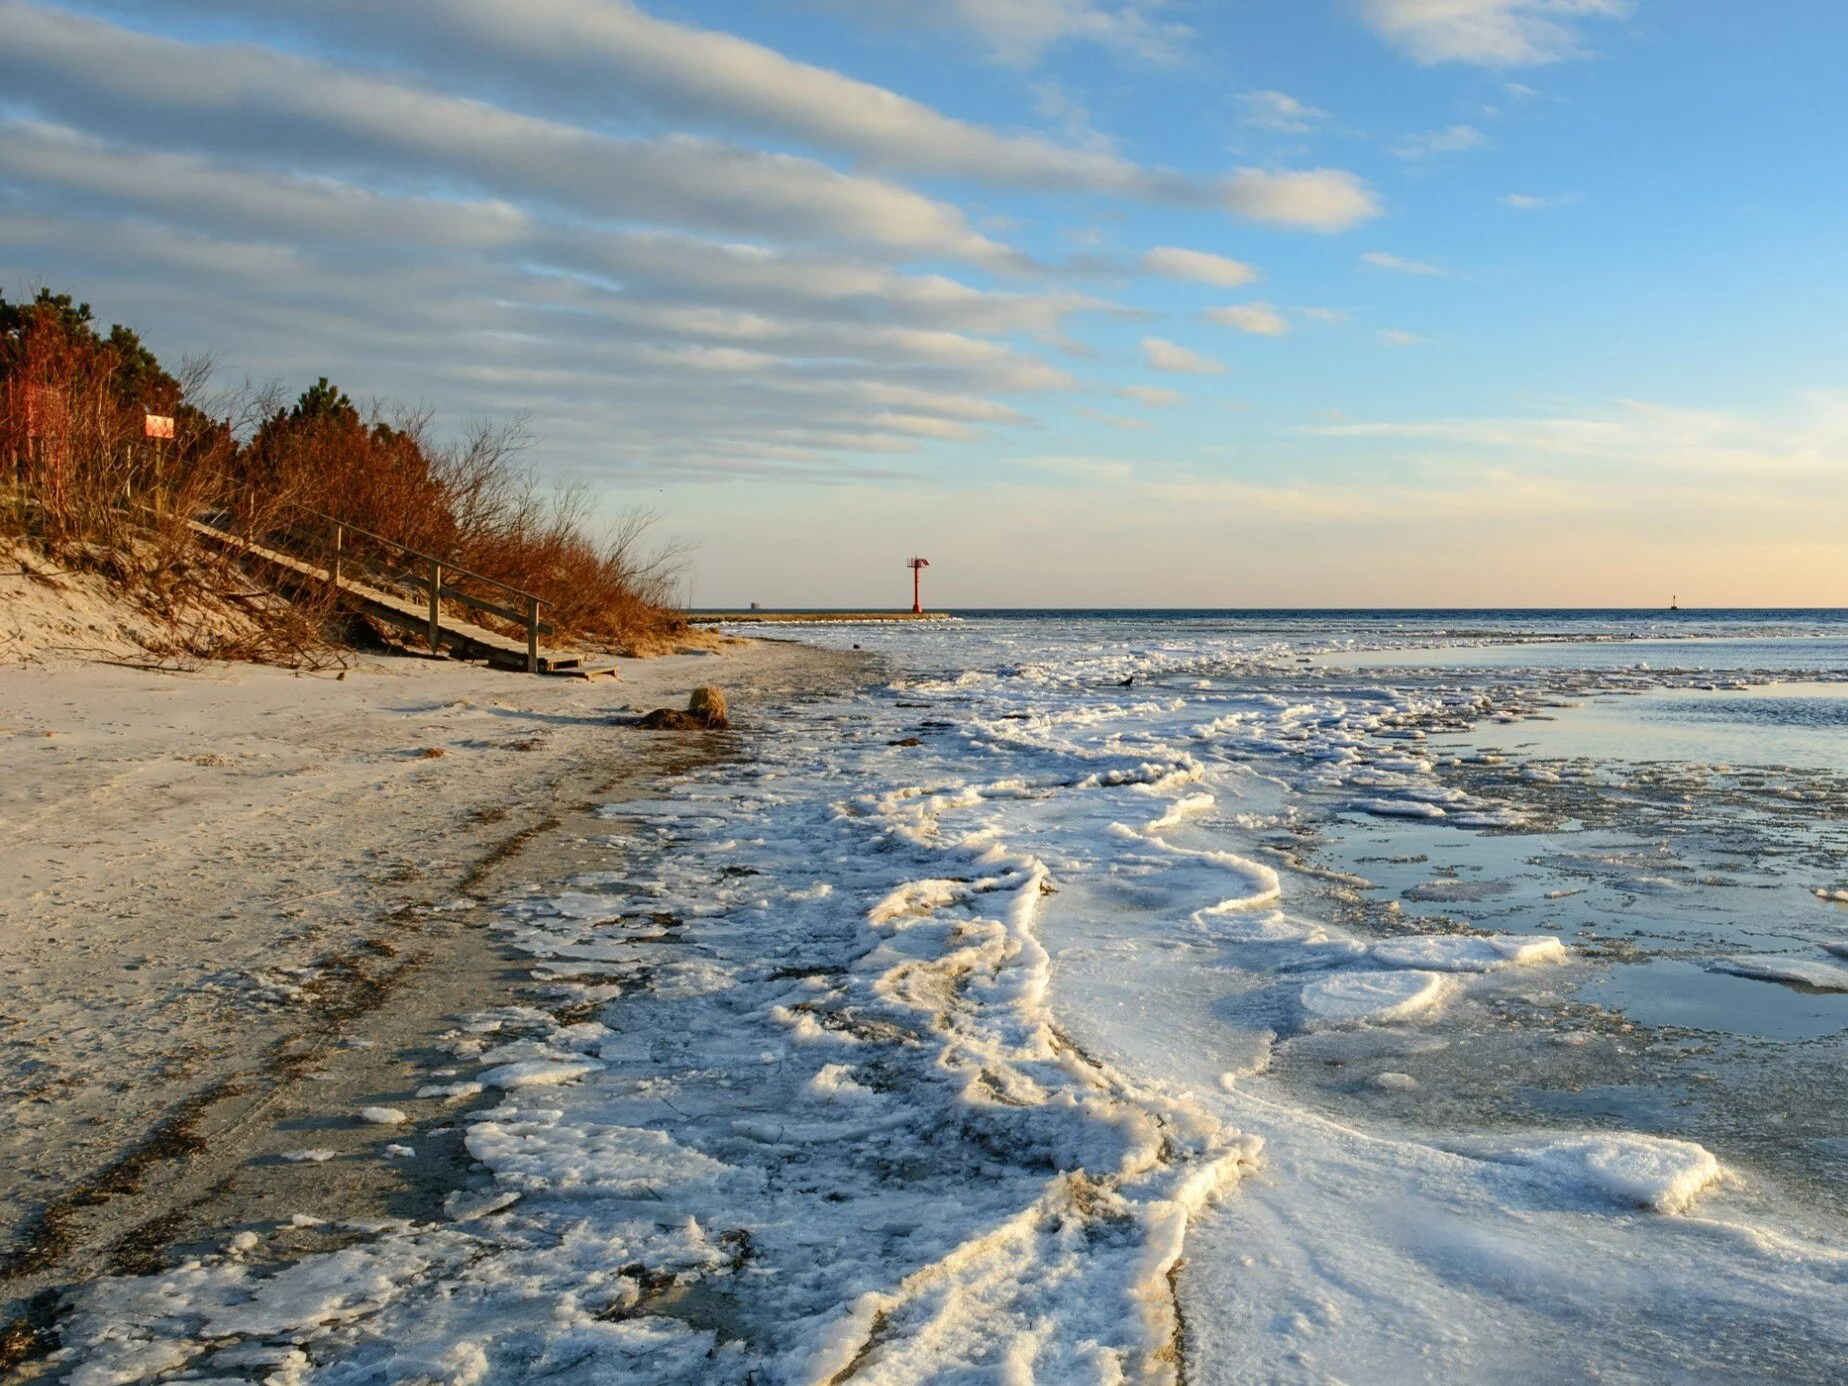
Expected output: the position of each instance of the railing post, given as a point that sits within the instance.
(436, 588)
(333, 568)
(532, 635)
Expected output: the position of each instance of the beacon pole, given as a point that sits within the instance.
(917, 566)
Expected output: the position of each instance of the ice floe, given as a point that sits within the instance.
(1461, 953)
(1378, 998)
(1783, 967)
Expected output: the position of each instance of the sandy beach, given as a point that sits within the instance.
(216, 878)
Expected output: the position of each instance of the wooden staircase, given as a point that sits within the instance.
(407, 589)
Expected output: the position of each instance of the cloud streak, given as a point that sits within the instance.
(1199, 266)
(1489, 33)
(1398, 264)
(1162, 355)
(564, 55)
(1258, 319)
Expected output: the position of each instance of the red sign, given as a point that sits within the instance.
(159, 426)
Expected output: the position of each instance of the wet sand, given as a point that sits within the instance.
(241, 905)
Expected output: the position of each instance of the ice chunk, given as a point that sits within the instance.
(534, 1073)
(1277, 928)
(1642, 1171)
(1454, 953)
(1397, 808)
(1183, 808)
(591, 1160)
(382, 1116)
(1353, 998)
(468, 1089)
(1394, 1082)
(1779, 967)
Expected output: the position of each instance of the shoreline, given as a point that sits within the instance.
(309, 831)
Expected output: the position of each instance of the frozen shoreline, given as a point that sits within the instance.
(961, 1029)
(218, 934)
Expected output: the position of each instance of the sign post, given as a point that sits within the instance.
(157, 428)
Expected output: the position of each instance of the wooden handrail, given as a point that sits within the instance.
(420, 554)
(343, 557)
(337, 552)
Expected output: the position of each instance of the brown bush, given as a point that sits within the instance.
(87, 485)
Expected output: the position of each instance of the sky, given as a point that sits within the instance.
(1210, 303)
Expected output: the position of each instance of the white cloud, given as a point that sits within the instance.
(1117, 421)
(1522, 202)
(256, 102)
(1393, 336)
(689, 73)
(1020, 31)
(560, 54)
(1398, 264)
(1493, 33)
(1167, 356)
(1202, 267)
(1275, 110)
(1455, 139)
(1260, 319)
(1326, 314)
(1323, 199)
(1093, 469)
(1810, 440)
(1152, 396)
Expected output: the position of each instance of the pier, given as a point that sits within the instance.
(715, 618)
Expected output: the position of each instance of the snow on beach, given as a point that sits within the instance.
(956, 1061)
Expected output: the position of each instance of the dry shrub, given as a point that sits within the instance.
(82, 482)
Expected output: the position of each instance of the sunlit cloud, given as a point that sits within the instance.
(1021, 31)
(1491, 33)
(1259, 319)
(1199, 266)
(1398, 264)
(1116, 420)
(1274, 110)
(1454, 139)
(1322, 199)
(1167, 356)
(1152, 396)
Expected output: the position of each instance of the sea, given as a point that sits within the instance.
(1205, 996)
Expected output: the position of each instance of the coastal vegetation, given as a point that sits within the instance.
(108, 459)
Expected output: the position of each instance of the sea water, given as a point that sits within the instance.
(1663, 794)
(1308, 997)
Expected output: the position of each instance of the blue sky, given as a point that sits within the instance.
(1324, 303)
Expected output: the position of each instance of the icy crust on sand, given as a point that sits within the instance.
(828, 1126)
(822, 1131)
